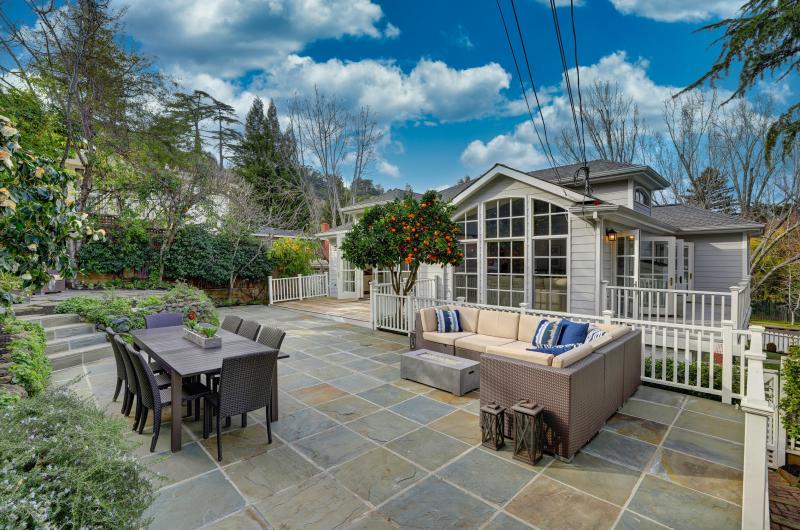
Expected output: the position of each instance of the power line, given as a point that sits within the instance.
(578, 75)
(545, 150)
(533, 85)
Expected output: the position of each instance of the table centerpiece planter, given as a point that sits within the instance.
(204, 335)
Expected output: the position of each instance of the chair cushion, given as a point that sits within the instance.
(519, 350)
(527, 325)
(469, 317)
(428, 317)
(601, 341)
(556, 349)
(571, 357)
(503, 324)
(545, 333)
(447, 320)
(614, 330)
(480, 342)
(571, 332)
(445, 338)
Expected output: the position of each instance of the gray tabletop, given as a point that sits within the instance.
(176, 354)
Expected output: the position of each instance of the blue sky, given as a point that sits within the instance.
(438, 74)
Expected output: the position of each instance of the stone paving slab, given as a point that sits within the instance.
(357, 447)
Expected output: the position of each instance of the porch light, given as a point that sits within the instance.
(611, 234)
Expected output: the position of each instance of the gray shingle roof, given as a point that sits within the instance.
(277, 232)
(686, 217)
(567, 172)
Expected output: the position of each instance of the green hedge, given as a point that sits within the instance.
(30, 366)
(681, 375)
(124, 248)
(125, 313)
(64, 464)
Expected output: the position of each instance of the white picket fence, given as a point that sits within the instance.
(782, 340)
(298, 287)
(694, 308)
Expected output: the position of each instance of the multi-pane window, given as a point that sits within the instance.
(550, 276)
(505, 252)
(465, 276)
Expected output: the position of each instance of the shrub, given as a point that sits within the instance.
(64, 464)
(124, 314)
(291, 257)
(29, 366)
(790, 403)
(680, 377)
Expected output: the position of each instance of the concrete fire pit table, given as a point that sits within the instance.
(445, 372)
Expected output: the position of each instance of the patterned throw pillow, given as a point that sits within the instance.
(570, 332)
(555, 350)
(593, 333)
(544, 334)
(448, 320)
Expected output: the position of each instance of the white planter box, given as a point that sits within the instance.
(202, 340)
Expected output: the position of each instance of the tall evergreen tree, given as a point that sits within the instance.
(711, 191)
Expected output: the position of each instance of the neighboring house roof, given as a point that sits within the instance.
(387, 196)
(693, 218)
(269, 231)
(332, 231)
(598, 170)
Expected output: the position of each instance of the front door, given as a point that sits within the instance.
(684, 265)
(626, 272)
(656, 274)
(350, 280)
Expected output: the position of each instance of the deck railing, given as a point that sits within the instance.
(298, 287)
(694, 308)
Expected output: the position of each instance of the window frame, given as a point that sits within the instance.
(463, 220)
(485, 242)
(645, 193)
(549, 237)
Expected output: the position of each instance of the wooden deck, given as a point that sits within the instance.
(351, 310)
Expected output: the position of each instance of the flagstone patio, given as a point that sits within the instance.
(358, 447)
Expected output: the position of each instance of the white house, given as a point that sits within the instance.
(537, 238)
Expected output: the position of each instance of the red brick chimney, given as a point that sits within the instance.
(324, 227)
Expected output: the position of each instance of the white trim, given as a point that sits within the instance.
(599, 239)
(501, 170)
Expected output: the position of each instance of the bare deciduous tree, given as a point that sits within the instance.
(365, 138)
(614, 126)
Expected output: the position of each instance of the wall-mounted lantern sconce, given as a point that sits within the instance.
(611, 234)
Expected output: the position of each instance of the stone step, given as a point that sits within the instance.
(74, 357)
(33, 309)
(75, 342)
(51, 321)
(68, 330)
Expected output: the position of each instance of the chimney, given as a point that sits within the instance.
(324, 227)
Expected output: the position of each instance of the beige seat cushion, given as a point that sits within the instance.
(445, 338)
(571, 357)
(519, 350)
(503, 324)
(527, 325)
(468, 317)
(599, 342)
(480, 342)
(614, 330)
(428, 317)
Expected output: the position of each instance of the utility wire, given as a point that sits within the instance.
(522, 86)
(533, 87)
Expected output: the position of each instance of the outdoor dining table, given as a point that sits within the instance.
(181, 358)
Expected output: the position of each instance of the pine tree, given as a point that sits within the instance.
(254, 156)
(711, 191)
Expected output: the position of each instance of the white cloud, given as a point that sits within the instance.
(388, 169)
(779, 91)
(431, 89)
(391, 31)
(679, 10)
(232, 37)
(515, 149)
(562, 3)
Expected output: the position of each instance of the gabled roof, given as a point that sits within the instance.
(689, 218)
(598, 170)
(388, 196)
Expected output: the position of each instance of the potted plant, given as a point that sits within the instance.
(204, 335)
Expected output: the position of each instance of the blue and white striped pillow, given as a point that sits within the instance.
(593, 333)
(555, 350)
(544, 334)
(448, 320)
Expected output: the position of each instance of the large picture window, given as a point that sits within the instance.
(550, 273)
(505, 252)
(465, 276)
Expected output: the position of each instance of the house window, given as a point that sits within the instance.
(550, 276)
(641, 196)
(505, 252)
(465, 276)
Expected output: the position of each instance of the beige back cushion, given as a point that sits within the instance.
(469, 317)
(602, 341)
(571, 357)
(428, 317)
(527, 325)
(498, 324)
(614, 330)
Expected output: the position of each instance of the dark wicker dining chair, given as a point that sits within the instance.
(249, 329)
(154, 398)
(163, 320)
(231, 323)
(133, 388)
(122, 375)
(244, 386)
(272, 337)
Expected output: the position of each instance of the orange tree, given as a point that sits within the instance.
(404, 231)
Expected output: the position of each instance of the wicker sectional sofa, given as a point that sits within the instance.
(579, 389)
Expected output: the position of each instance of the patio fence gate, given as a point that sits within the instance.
(297, 287)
